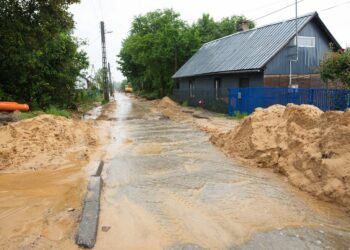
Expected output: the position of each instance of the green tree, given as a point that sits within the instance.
(209, 29)
(158, 43)
(336, 67)
(39, 58)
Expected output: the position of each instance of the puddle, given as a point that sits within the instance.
(93, 114)
(34, 208)
(148, 149)
(172, 189)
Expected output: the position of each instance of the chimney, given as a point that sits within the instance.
(244, 25)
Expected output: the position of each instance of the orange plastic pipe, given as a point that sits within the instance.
(13, 106)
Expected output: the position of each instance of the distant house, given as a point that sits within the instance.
(259, 57)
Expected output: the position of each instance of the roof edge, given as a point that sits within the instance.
(220, 72)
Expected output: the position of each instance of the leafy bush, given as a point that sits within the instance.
(87, 98)
(336, 67)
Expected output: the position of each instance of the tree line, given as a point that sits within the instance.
(40, 59)
(159, 42)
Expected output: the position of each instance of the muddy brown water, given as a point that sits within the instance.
(167, 187)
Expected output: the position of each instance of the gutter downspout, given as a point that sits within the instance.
(297, 44)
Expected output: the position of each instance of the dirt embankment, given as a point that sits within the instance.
(45, 141)
(310, 147)
(42, 180)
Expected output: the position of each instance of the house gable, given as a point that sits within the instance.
(309, 57)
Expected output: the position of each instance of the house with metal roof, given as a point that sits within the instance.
(260, 57)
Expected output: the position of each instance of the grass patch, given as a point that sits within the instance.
(58, 112)
(26, 115)
(184, 103)
(50, 111)
(238, 115)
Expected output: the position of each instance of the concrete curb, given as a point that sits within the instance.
(87, 231)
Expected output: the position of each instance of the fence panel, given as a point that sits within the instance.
(246, 100)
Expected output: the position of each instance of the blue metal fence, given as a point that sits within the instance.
(245, 100)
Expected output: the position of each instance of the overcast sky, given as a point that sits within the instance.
(118, 16)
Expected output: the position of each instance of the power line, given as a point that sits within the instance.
(290, 5)
(278, 10)
(264, 6)
(335, 6)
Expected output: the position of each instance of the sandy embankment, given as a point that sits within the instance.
(45, 141)
(310, 147)
(41, 180)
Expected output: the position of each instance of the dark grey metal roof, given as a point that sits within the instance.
(242, 51)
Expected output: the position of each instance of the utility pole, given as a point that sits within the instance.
(111, 88)
(104, 63)
(296, 43)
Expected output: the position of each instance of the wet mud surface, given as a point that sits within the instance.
(168, 187)
(39, 210)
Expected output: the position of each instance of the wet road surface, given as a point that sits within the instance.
(167, 187)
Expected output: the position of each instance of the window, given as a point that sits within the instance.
(244, 82)
(177, 84)
(217, 87)
(305, 42)
(191, 85)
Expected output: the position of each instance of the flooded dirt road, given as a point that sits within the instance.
(168, 187)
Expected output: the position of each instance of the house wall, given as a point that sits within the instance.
(306, 70)
(206, 83)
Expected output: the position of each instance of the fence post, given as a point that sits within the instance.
(230, 105)
(311, 97)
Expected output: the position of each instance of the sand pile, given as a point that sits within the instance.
(45, 141)
(310, 147)
(172, 110)
(166, 102)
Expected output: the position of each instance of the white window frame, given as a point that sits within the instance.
(305, 41)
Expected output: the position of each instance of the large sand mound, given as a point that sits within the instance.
(45, 141)
(310, 147)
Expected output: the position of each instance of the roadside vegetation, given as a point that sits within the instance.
(40, 59)
(336, 68)
(160, 42)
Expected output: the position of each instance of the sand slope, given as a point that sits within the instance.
(310, 147)
(45, 141)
